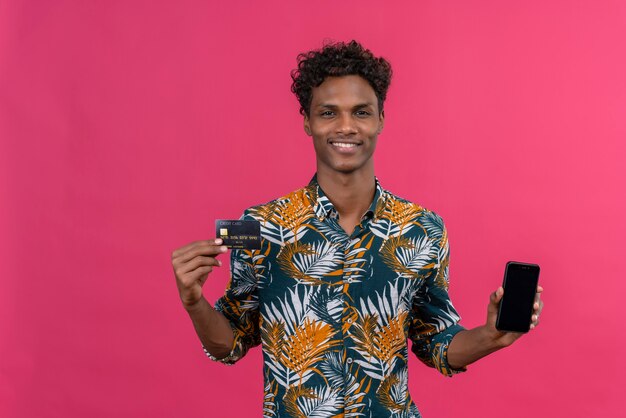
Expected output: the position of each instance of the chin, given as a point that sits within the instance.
(346, 169)
(344, 166)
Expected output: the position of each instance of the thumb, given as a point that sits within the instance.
(492, 308)
(496, 296)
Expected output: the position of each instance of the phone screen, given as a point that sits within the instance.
(516, 306)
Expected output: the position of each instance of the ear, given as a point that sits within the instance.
(381, 121)
(307, 125)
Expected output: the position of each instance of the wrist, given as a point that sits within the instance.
(491, 338)
(196, 306)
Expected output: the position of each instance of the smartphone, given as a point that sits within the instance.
(516, 306)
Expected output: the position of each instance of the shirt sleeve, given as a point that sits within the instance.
(434, 320)
(240, 303)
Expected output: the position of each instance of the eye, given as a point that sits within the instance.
(327, 113)
(362, 113)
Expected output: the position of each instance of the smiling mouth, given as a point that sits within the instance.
(342, 144)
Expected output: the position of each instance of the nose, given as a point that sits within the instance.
(345, 124)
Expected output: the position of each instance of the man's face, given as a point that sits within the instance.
(344, 121)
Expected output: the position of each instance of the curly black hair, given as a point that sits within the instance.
(336, 60)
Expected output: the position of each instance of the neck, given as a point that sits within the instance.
(350, 193)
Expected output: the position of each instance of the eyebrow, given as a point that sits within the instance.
(333, 106)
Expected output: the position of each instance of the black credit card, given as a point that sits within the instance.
(239, 234)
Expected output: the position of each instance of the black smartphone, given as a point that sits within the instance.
(516, 306)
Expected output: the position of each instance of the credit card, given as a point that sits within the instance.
(239, 234)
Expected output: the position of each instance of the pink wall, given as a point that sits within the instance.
(126, 128)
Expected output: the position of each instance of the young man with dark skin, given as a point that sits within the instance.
(344, 116)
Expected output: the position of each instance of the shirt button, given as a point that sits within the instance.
(349, 280)
(349, 360)
(349, 320)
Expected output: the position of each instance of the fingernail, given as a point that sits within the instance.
(223, 248)
(218, 241)
(219, 263)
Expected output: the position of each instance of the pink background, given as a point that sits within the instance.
(127, 127)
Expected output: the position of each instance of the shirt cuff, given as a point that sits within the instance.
(440, 344)
(229, 360)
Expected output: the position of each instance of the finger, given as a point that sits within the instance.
(196, 262)
(193, 245)
(204, 248)
(195, 277)
(535, 321)
(181, 269)
(180, 251)
(188, 278)
(200, 274)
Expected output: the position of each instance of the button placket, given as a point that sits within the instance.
(346, 309)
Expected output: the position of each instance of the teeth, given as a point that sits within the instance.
(343, 145)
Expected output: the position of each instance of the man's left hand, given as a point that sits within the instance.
(505, 339)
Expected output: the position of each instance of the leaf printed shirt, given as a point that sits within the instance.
(333, 312)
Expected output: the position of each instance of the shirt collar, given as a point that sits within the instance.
(324, 208)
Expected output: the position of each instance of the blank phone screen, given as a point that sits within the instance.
(520, 286)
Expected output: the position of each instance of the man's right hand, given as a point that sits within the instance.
(192, 265)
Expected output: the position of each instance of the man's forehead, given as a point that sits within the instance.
(337, 90)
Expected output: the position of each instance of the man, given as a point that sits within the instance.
(346, 273)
